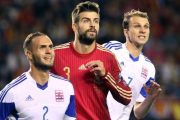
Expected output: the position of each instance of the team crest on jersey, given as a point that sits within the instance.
(97, 79)
(144, 72)
(59, 96)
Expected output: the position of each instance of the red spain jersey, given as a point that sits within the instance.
(90, 89)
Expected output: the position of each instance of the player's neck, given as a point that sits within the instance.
(82, 48)
(41, 77)
(133, 49)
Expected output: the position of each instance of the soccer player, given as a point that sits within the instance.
(38, 94)
(92, 69)
(137, 69)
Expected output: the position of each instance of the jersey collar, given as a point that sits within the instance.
(32, 81)
(79, 54)
(130, 56)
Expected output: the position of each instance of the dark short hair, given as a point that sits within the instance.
(84, 7)
(27, 42)
(130, 14)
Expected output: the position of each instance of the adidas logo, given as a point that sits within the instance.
(29, 98)
(82, 67)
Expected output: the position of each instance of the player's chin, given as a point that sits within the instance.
(142, 43)
(49, 66)
(92, 37)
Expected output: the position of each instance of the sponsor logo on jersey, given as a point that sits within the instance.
(59, 96)
(144, 72)
(82, 67)
(29, 98)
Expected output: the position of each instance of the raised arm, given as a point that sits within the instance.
(119, 89)
(153, 91)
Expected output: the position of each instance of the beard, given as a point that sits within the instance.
(85, 39)
(40, 65)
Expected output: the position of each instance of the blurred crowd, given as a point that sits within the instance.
(18, 18)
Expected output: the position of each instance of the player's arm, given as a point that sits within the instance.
(120, 91)
(142, 108)
(7, 105)
(70, 113)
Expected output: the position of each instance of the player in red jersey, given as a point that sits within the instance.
(92, 69)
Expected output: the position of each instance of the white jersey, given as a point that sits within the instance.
(136, 72)
(27, 100)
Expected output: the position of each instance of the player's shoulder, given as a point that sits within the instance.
(113, 45)
(17, 81)
(13, 84)
(147, 61)
(62, 46)
(105, 50)
(59, 78)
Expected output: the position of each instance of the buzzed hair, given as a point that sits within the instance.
(130, 14)
(28, 40)
(84, 7)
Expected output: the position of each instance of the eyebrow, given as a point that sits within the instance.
(46, 45)
(90, 18)
(139, 23)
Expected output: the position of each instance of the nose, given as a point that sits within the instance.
(142, 30)
(92, 24)
(49, 50)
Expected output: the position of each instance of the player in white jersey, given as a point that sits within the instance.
(137, 69)
(38, 94)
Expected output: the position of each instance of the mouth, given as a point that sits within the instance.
(142, 37)
(92, 31)
(48, 58)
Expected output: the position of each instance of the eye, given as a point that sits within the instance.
(96, 21)
(85, 21)
(42, 47)
(137, 26)
(51, 46)
(146, 26)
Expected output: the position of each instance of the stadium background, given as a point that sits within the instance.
(18, 18)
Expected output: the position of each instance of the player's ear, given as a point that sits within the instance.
(74, 27)
(126, 33)
(28, 54)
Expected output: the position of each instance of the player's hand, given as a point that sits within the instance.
(153, 90)
(97, 66)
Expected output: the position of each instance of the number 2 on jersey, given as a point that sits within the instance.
(46, 110)
(67, 69)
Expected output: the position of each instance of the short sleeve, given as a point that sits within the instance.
(70, 113)
(7, 105)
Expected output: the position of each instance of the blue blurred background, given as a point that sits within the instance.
(18, 18)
